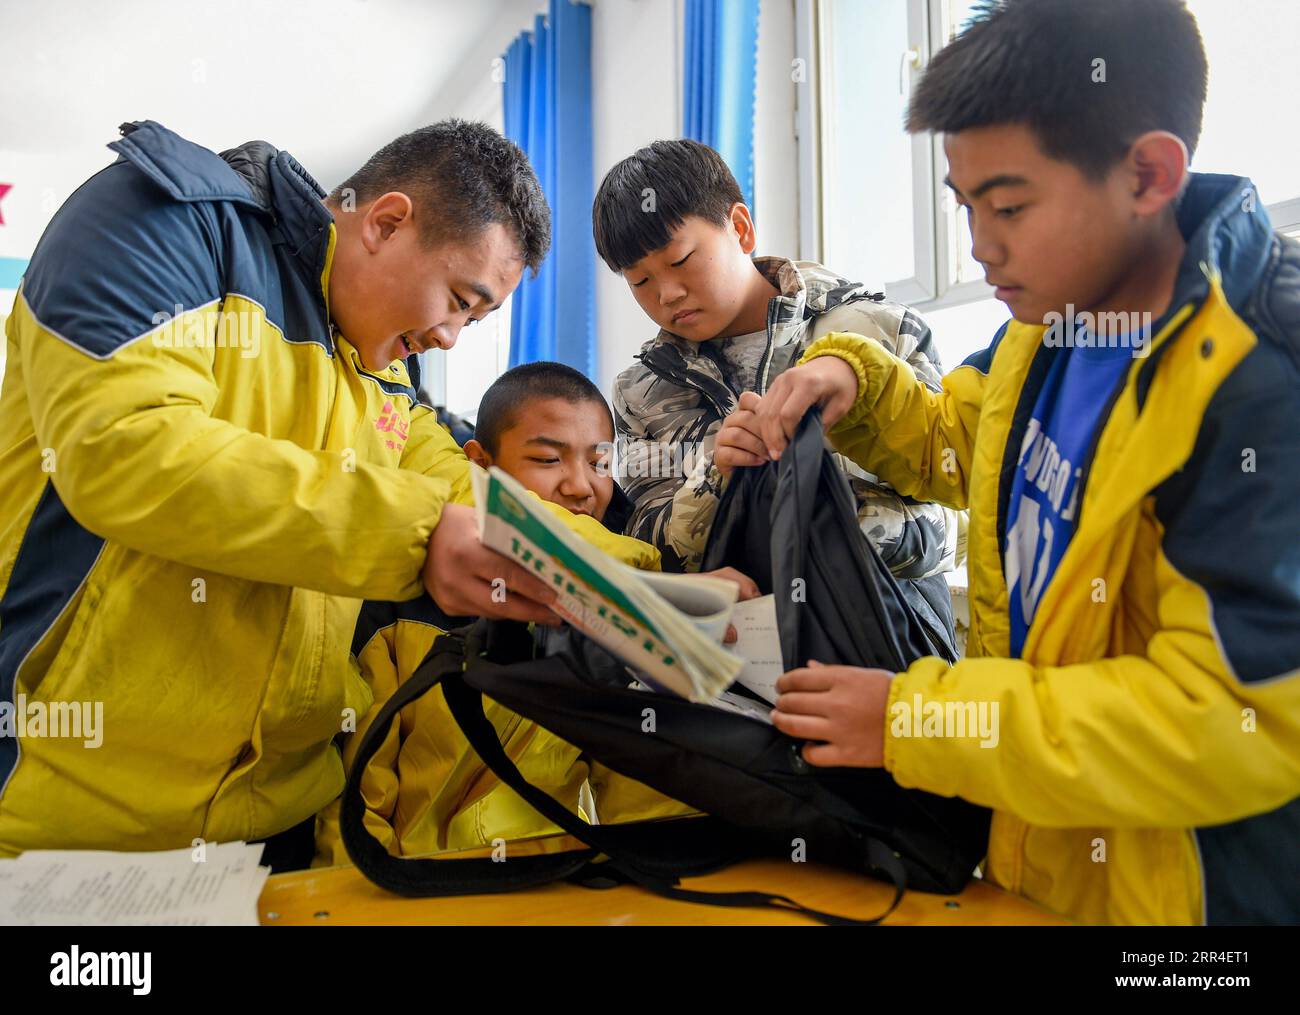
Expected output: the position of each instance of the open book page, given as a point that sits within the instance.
(729, 701)
(758, 644)
(676, 644)
(707, 601)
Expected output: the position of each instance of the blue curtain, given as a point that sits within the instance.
(547, 97)
(718, 93)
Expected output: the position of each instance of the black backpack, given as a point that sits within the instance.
(792, 526)
(760, 797)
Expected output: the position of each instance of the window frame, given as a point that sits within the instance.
(939, 235)
(814, 22)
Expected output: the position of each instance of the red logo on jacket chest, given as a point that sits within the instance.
(390, 423)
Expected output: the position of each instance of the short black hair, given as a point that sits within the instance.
(464, 177)
(502, 402)
(652, 191)
(1088, 77)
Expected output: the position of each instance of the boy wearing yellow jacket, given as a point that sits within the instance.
(426, 790)
(1127, 448)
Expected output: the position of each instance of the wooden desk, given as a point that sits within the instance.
(342, 896)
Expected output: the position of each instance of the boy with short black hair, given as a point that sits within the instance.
(1134, 561)
(671, 219)
(550, 427)
(426, 791)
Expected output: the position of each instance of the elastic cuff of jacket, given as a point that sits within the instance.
(841, 346)
(888, 756)
(901, 755)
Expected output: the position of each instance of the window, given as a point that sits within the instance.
(884, 215)
(1249, 125)
(458, 379)
(871, 168)
(965, 328)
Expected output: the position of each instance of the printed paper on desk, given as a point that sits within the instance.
(217, 884)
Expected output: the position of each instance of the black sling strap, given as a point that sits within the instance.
(427, 877)
(623, 845)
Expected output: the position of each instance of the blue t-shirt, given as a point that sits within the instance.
(1046, 489)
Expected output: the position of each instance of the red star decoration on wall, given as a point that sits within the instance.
(4, 189)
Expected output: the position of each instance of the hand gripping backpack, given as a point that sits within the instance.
(792, 526)
(758, 795)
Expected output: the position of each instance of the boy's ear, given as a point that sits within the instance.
(478, 454)
(743, 223)
(1157, 162)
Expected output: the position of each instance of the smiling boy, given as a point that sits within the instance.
(549, 427)
(426, 791)
(1134, 560)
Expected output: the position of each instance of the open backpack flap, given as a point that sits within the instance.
(792, 526)
(786, 520)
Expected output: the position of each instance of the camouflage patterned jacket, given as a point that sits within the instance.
(670, 404)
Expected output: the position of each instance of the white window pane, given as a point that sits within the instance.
(965, 329)
(966, 268)
(959, 12)
(1249, 127)
(479, 357)
(867, 156)
(1250, 47)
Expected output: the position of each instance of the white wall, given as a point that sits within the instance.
(328, 80)
(331, 80)
(636, 72)
(473, 91)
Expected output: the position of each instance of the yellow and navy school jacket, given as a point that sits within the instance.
(426, 790)
(201, 485)
(1147, 764)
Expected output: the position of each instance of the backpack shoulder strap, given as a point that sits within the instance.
(434, 877)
